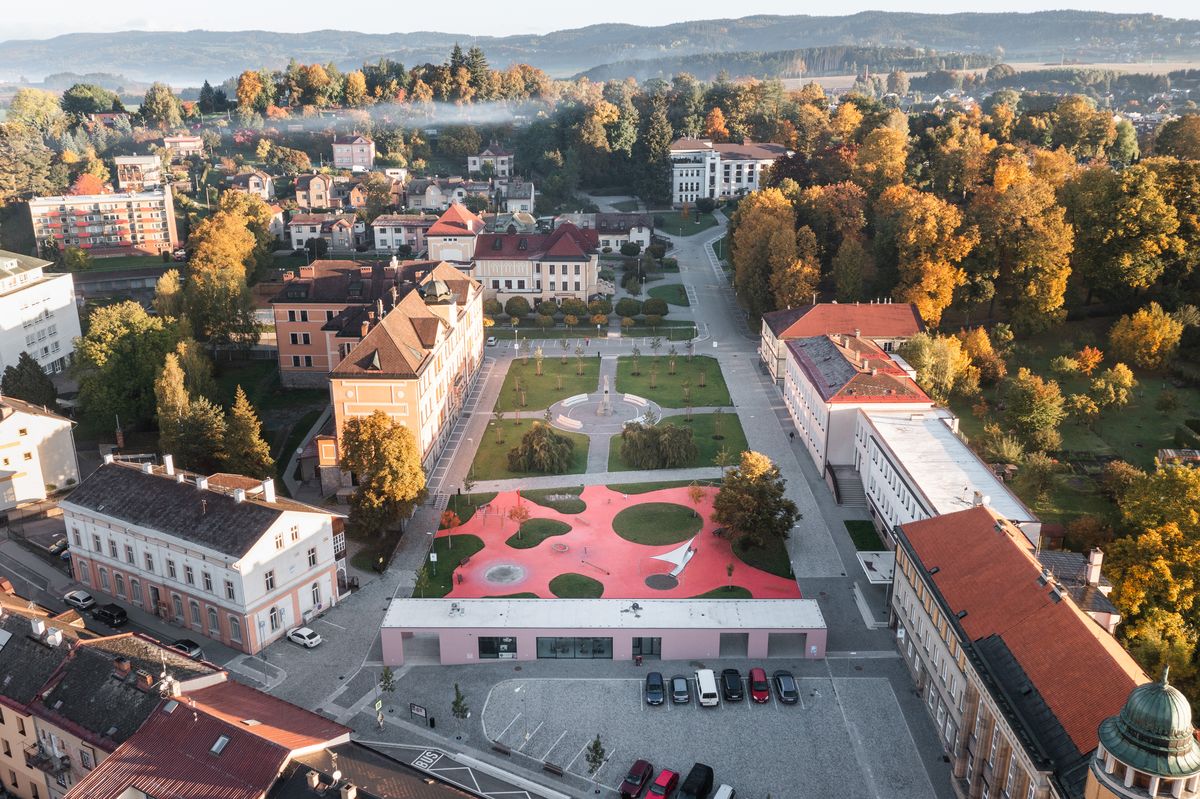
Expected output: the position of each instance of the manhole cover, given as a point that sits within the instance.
(661, 582)
(505, 574)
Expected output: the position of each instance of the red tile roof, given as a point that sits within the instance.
(848, 369)
(566, 243)
(1079, 669)
(457, 220)
(279, 722)
(874, 320)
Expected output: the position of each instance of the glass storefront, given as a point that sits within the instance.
(593, 648)
(647, 647)
(493, 647)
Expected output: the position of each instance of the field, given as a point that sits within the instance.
(491, 461)
(703, 425)
(542, 391)
(669, 391)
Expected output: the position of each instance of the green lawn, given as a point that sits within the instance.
(563, 500)
(576, 586)
(864, 536)
(128, 262)
(733, 438)
(450, 549)
(491, 461)
(676, 225)
(673, 293)
(668, 331)
(465, 505)
(260, 381)
(294, 436)
(669, 390)
(657, 523)
(646, 488)
(726, 592)
(535, 531)
(772, 557)
(628, 206)
(542, 391)
(521, 595)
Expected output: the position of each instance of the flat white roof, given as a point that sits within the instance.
(596, 614)
(943, 467)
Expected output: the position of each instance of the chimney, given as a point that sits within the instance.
(121, 667)
(147, 468)
(38, 626)
(54, 638)
(379, 308)
(366, 328)
(169, 464)
(857, 331)
(239, 495)
(179, 477)
(268, 490)
(289, 275)
(365, 271)
(108, 458)
(145, 680)
(202, 483)
(313, 779)
(1094, 558)
(307, 271)
(349, 791)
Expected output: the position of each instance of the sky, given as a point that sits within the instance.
(473, 17)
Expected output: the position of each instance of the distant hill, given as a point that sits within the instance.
(809, 62)
(190, 57)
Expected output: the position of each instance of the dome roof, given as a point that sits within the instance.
(436, 291)
(1153, 732)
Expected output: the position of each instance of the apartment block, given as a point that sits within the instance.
(138, 172)
(37, 453)
(357, 153)
(38, 313)
(701, 168)
(133, 223)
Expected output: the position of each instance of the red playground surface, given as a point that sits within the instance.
(591, 548)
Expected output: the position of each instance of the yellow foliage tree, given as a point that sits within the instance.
(714, 125)
(880, 161)
(1148, 337)
(793, 282)
(763, 229)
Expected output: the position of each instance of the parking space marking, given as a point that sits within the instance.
(577, 754)
(554, 745)
(514, 721)
(331, 624)
(529, 737)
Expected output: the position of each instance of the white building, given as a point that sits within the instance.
(914, 466)
(357, 153)
(340, 231)
(495, 156)
(221, 556)
(515, 196)
(615, 229)
(700, 168)
(393, 231)
(38, 314)
(452, 237)
(828, 378)
(538, 266)
(138, 172)
(37, 453)
(181, 147)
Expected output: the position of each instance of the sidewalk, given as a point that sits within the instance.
(603, 478)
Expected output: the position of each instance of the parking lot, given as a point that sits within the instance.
(846, 737)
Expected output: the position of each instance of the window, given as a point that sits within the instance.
(316, 595)
(7, 749)
(195, 607)
(112, 549)
(308, 360)
(229, 594)
(214, 626)
(128, 553)
(95, 540)
(294, 338)
(269, 580)
(135, 590)
(992, 749)
(304, 339)
(312, 556)
(279, 540)
(178, 604)
(291, 316)
(274, 616)
(75, 537)
(235, 629)
(104, 579)
(207, 581)
(295, 532)
(171, 569)
(295, 360)
(149, 563)
(189, 576)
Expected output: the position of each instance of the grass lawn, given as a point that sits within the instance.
(260, 381)
(128, 262)
(576, 586)
(726, 592)
(673, 293)
(521, 595)
(563, 500)
(657, 523)
(628, 206)
(772, 557)
(669, 390)
(465, 505)
(542, 391)
(645, 488)
(450, 550)
(702, 425)
(491, 461)
(535, 531)
(294, 436)
(670, 330)
(677, 225)
(863, 534)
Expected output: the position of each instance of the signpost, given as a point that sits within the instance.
(433, 560)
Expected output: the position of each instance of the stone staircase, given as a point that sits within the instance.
(850, 487)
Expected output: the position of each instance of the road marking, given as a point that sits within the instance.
(514, 721)
(577, 754)
(331, 624)
(529, 736)
(554, 745)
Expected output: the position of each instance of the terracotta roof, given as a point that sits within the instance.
(750, 151)
(337, 282)
(277, 721)
(853, 370)
(457, 220)
(685, 143)
(991, 578)
(172, 755)
(873, 320)
(566, 243)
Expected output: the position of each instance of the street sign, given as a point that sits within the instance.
(433, 557)
(378, 704)
(416, 710)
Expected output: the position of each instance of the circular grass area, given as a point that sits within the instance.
(535, 531)
(726, 592)
(657, 523)
(576, 586)
(771, 557)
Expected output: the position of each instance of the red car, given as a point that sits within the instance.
(635, 781)
(666, 783)
(760, 691)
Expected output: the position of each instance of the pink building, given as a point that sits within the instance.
(356, 152)
(475, 630)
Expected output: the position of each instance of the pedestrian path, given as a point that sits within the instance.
(602, 478)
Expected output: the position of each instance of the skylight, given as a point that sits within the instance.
(220, 745)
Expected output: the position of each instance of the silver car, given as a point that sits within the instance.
(305, 636)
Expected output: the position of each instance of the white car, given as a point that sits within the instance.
(491, 341)
(304, 636)
(80, 600)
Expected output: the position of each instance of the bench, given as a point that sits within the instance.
(465, 561)
(634, 399)
(575, 400)
(553, 768)
(501, 748)
(566, 421)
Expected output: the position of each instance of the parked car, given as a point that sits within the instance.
(635, 781)
(665, 784)
(655, 689)
(305, 636)
(111, 614)
(785, 687)
(491, 341)
(698, 784)
(58, 547)
(706, 688)
(759, 690)
(724, 792)
(681, 692)
(731, 685)
(188, 647)
(80, 600)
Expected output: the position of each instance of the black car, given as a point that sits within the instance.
(656, 691)
(681, 692)
(731, 685)
(785, 687)
(111, 614)
(188, 647)
(698, 784)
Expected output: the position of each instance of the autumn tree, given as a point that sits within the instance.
(87, 184)
(216, 298)
(880, 160)
(27, 380)
(1088, 358)
(355, 89)
(978, 346)
(541, 450)
(794, 280)
(168, 294)
(714, 125)
(1081, 129)
(385, 458)
(751, 503)
(160, 107)
(38, 109)
(1147, 338)
(925, 234)
(249, 90)
(764, 237)
(246, 452)
(171, 403)
(943, 367)
(1035, 408)
(1179, 137)
(1111, 388)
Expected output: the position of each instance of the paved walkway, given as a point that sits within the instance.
(601, 478)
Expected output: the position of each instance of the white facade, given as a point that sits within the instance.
(38, 314)
(500, 161)
(694, 175)
(138, 172)
(700, 168)
(459, 249)
(37, 453)
(351, 153)
(914, 466)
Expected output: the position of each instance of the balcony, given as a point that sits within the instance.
(37, 757)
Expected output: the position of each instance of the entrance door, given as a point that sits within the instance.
(648, 647)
